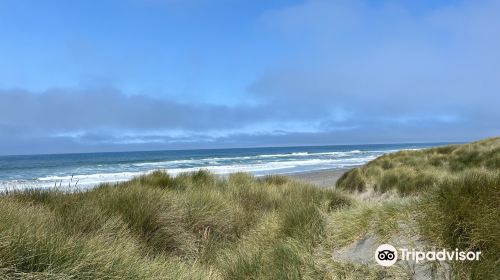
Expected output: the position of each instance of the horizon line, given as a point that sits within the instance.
(236, 148)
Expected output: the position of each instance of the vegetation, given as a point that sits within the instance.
(458, 187)
(158, 227)
(414, 172)
(201, 226)
(464, 212)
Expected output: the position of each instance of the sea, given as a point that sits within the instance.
(86, 170)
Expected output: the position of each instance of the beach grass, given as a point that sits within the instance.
(201, 226)
(464, 212)
(457, 192)
(414, 172)
(193, 226)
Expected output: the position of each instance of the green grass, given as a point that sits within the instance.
(464, 212)
(457, 192)
(201, 226)
(414, 172)
(157, 227)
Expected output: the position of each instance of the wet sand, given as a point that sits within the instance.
(322, 178)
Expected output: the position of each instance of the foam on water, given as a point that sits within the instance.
(88, 170)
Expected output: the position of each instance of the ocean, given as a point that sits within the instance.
(89, 169)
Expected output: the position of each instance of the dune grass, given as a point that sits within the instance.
(414, 172)
(457, 189)
(464, 212)
(194, 226)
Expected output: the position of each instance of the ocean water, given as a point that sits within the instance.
(89, 169)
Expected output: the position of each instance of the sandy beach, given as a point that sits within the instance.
(323, 178)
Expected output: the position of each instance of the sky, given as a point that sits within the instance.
(123, 75)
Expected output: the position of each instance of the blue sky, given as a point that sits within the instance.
(82, 76)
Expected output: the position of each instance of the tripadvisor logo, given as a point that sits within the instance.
(387, 255)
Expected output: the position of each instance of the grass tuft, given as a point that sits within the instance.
(463, 212)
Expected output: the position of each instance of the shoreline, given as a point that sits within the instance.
(325, 178)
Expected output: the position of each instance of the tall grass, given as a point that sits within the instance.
(158, 227)
(414, 172)
(458, 189)
(463, 212)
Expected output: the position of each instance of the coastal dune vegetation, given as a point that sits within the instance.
(201, 226)
(412, 172)
(458, 190)
(193, 226)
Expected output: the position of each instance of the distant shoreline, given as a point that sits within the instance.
(325, 178)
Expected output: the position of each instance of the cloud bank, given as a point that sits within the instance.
(350, 72)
